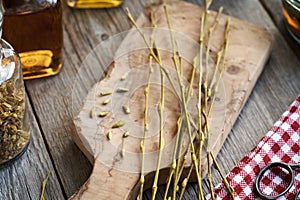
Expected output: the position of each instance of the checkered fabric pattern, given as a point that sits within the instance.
(281, 143)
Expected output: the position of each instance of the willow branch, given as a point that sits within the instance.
(161, 132)
(175, 157)
(44, 185)
(146, 128)
(228, 187)
(152, 53)
(182, 91)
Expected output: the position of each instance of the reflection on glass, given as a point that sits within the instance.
(291, 12)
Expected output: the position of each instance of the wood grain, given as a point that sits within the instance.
(247, 53)
(276, 88)
(23, 178)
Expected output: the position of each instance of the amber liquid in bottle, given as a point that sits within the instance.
(36, 35)
(291, 13)
(93, 3)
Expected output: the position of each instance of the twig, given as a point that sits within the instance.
(182, 91)
(183, 186)
(152, 53)
(223, 53)
(146, 128)
(228, 187)
(185, 122)
(174, 163)
(161, 132)
(211, 29)
(44, 185)
(209, 177)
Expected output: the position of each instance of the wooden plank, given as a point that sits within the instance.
(83, 30)
(23, 178)
(276, 88)
(246, 57)
(51, 97)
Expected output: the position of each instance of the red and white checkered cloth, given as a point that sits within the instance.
(281, 143)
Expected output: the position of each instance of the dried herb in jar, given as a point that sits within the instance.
(13, 137)
(14, 127)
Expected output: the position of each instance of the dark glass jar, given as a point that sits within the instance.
(34, 29)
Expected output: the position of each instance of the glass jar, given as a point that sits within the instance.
(34, 29)
(93, 3)
(291, 12)
(14, 124)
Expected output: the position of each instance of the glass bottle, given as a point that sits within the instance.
(36, 34)
(93, 3)
(14, 124)
(291, 13)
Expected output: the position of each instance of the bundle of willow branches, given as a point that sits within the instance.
(197, 131)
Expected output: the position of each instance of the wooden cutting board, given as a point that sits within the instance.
(117, 161)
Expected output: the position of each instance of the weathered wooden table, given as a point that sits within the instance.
(52, 148)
